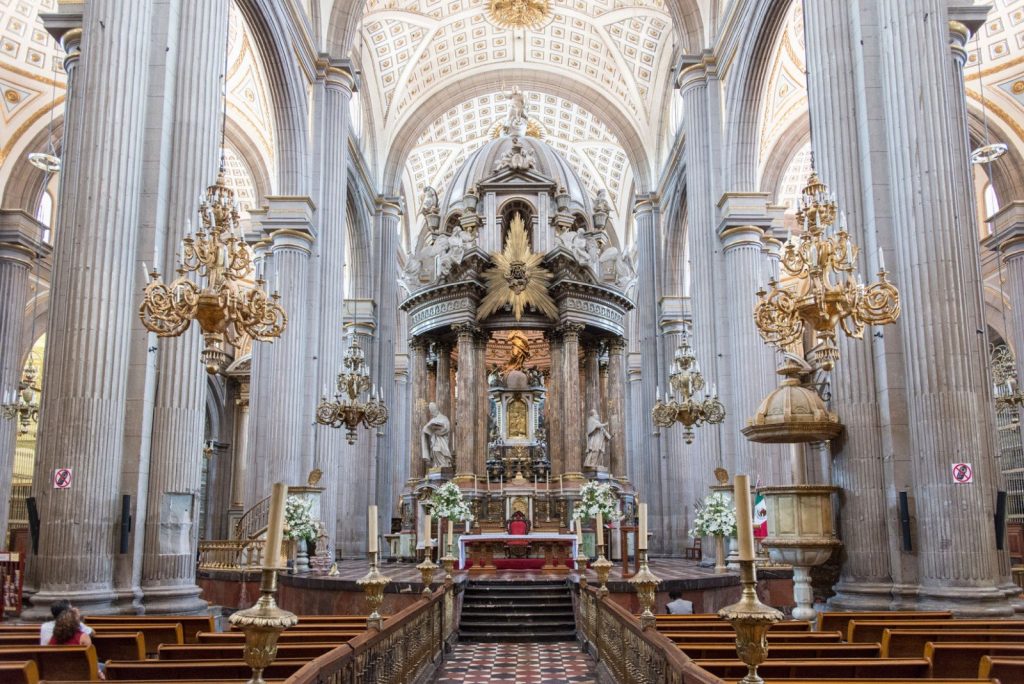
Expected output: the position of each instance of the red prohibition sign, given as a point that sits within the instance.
(962, 472)
(62, 478)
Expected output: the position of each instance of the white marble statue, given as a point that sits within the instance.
(435, 439)
(575, 242)
(429, 204)
(436, 259)
(597, 440)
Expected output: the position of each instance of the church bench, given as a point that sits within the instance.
(1004, 669)
(285, 651)
(153, 633)
(197, 670)
(964, 660)
(119, 646)
(56, 662)
(722, 625)
(910, 643)
(784, 651)
(823, 668)
(871, 631)
(25, 638)
(841, 620)
(19, 672)
(724, 637)
(338, 637)
(190, 624)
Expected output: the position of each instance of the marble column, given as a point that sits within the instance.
(572, 422)
(553, 406)
(332, 94)
(418, 414)
(176, 453)
(616, 404)
(20, 246)
(481, 401)
(444, 377)
(464, 426)
(592, 381)
(240, 456)
(84, 393)
(959, 567)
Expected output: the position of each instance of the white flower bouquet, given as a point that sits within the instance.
(298, 519)
(595, 497)
(716, 517)
(447, 503)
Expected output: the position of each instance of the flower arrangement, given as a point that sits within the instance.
(716, 517)
(298, 519)
(447, 502)
(596, 497)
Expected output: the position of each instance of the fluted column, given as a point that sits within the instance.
(553, 405)
(418, 413)
(240, 460)
(444, 378)
(592, 380)
(959, 567)
(175, 471)
(572, 421)
(481, 401)
(84, 394)
(465, 407)
(616, 406)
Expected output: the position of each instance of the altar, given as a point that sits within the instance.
(553, 548)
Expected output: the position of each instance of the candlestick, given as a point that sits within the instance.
(275, 527)
(600, 528)
(641, 541)
(744, 520)
(426, 532)
(451, 533)
(372, 520)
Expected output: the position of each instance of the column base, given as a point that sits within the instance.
(97, 602)
(178, 599)
(966, 601)
(869, 596)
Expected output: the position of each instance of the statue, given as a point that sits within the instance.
(520, 353)
(429, 205)
(517, 109)
(597, 440)
(601, 203)
(435, 439)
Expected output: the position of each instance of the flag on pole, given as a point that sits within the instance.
(760, 517)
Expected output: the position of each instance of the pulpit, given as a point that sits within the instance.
(518, 525)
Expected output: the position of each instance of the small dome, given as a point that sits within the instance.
(792, 413)
(548, 162)
(517, 380)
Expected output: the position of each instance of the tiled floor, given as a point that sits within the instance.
(555, 663)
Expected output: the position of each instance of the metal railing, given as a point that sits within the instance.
(254, 521)
(231, 554)
(630, 654)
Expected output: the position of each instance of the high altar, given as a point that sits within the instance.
(517, 300)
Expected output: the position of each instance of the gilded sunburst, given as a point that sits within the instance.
(519, 13)
(517, 279)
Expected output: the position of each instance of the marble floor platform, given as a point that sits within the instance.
(555, 663)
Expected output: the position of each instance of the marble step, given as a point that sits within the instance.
(534, 637)
(493, 617)
(562, 608)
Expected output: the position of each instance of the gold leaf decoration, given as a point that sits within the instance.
(519, 13)
(517, 279)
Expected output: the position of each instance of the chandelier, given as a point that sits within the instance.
(686, 381)
(823, 300)
(24, 403)
(347, 409)
(228, 308)
(1004, 379)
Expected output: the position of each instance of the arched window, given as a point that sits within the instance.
(45, 214)
(991, 201)
(509, 211)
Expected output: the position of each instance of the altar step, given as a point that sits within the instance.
(517, 611)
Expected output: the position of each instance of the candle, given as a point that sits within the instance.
(579, 539)
(426, 530)
(451, 533)
(881, 260)
(372, 520)
(145, 271)
(642, 533)
(744, 521)
(600, 529)
(275, 527)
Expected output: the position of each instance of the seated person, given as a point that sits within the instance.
(56, 609)
(67, 630)
(677, 606)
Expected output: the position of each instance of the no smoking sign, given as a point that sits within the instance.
(963, 473)
(62, 478)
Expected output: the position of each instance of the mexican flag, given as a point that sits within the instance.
(760, 517)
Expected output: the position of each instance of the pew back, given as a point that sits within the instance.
(19, 672)
(784, 651)
(196, 670)
(823, 668)
(841, 620)
(119, 646)
(285, 651)
(1003, 669)
(722, 637)
(285, 637)
(964, 660)
(57, 662)
(190, 624)
(870, 631)
(910, 643)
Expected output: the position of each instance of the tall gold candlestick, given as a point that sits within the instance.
(751, 620)
(744, 520)
(263, 624)
(275, 527)
(372, 584)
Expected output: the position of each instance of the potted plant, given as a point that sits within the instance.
(716, 517)
(300, 526)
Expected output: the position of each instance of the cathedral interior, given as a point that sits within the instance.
(534, 249)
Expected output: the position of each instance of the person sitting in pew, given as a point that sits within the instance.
(67, 630)
(678, 606)
(57, 608)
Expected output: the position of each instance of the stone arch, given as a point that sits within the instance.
(25, 184)
(1008, 171)
(249, 151)
(359, 238)
(787, 146)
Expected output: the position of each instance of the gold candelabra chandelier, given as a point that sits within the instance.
(347, 409)
(228, 308)
(686, 381)
(823, 300)
(1004, 378)
(23, 404)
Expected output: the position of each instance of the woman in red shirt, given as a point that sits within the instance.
(68, 630)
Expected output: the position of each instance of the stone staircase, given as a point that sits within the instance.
(521, 611)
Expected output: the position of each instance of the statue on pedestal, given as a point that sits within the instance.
(435, 439)
(597, 440)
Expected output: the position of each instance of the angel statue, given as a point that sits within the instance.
(597, 440)
(435, 439)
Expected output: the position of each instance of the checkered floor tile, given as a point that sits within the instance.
(555, 663)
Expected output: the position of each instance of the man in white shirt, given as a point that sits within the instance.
(46, 629)
(677, 606)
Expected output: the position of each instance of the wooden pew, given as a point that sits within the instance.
(19, 672)
(868, 681)
(322, 622)
(723, 637)
(190, 624)
(338, 637)
(153, 633)
(841, 620)
(19, 638)
(720, 625)
(964, 660)
(821, 668)
(699, 617)
(196, 670)
(119, 646)
(285, 651)
(1005, 670)
(784, 651)
(870, 631)
(57, 662)
(909, 643)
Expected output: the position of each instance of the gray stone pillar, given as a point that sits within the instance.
(240, 459)
(572, 421)
(553, 406)
(480, 399)
(464, 426)
(616, 406)
(444, 377)
(175, 470)
(81, 424)
(20, 246)
(418, 414)
(959, 567)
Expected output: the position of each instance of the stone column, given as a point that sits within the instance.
(959, 567)
(175, 467)
(617, 464)
(572, 422)
(444, 377)
(20, 246)
(83, 409)
(592, 380)
(480, 398)
(553, 406)
(464, 425)
(240, 461)
(418, 414)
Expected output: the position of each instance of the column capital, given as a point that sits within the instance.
(616, 346)
(337, 74)
(21, 237)
(645, 204)
(66, 28)
(289, 215)
(570, 330)
(748, 210)
(359, 316)
(465, 330)
(418, 345)
(675, 314)
(1007, 230)
(390, 206)
(694, 70)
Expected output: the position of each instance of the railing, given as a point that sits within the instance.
(253, 521)
(18, 516)
(631, 655)
(231, 554)
(411, 641)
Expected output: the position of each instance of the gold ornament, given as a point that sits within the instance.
(517, 279)
(685, 381)
(519, 13)
(347, 409)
